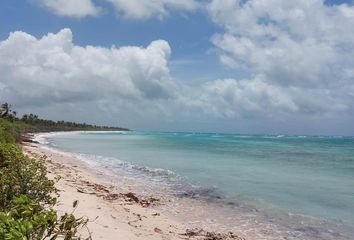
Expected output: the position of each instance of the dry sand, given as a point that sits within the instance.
(113, 215)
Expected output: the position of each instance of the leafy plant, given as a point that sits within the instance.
(22, 175)
(27, 196)
(28, 220)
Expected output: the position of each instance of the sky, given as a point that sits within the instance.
(229, 66)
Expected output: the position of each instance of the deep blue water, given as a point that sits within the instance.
(312, 176)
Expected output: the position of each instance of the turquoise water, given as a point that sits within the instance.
(309, 176)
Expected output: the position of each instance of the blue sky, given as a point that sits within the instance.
(217, 73)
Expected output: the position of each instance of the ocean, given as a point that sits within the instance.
(304, 184)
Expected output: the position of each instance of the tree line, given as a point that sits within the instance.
(6, 112)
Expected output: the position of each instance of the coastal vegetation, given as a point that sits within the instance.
(33, 123)
(27, 196)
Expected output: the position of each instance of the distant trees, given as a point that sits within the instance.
(29, 118)
(6, 111)
(48, 125)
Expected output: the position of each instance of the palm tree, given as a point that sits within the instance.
(5, 109)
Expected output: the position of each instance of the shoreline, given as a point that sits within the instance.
(152, 212)
(114, 213)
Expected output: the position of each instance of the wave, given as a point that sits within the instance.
(43, 138)
(177, 184)
(106, 132)
(206, 193)
(166, 178)
(104, 161)
(154, 171)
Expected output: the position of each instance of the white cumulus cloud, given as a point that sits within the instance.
(297, 43)
(52, 69)
(301, 50)
(71, 8)
(131, 9)
(143, 9)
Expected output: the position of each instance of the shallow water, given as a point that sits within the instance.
(304, 183)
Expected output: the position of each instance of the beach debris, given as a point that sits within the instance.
(80, 190)
(96, 187)
(149, 201)
(143, 202)
(158, 230)
(201, 234)
(132, 197)
(131, 223)
(112, 196)
(138, 216)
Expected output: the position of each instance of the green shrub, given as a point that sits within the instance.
(27, 196)
(27, 220)
(7, 134)
(22, 175)
(10, 132)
